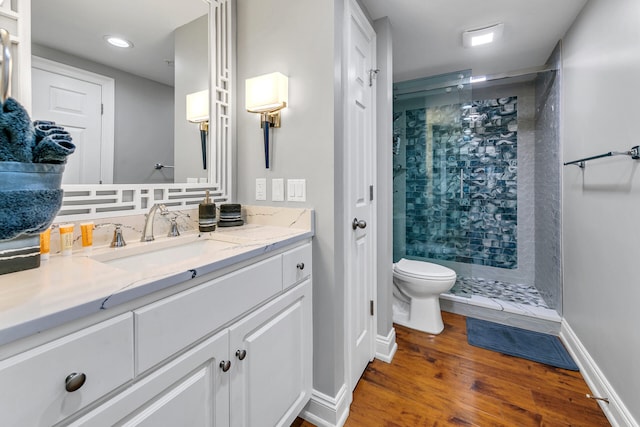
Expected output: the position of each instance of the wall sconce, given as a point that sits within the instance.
(267, 95)
(198, 112)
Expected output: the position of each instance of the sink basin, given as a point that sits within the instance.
(162, 256)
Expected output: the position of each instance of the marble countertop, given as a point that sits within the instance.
(64, 289)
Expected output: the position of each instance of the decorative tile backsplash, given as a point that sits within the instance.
(461, 183)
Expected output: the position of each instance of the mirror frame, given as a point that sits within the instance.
(82, 202)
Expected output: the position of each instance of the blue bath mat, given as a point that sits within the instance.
(536, 346)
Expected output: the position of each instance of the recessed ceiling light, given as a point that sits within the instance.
(118, 42)
(480, 36)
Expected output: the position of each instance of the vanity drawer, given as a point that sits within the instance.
(165, 327)
(296, 265)
(34, 381)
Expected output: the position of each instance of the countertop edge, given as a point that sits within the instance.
(50, 321)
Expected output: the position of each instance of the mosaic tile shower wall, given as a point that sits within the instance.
(461, 183)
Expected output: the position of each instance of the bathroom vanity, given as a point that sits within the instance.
(222, 338)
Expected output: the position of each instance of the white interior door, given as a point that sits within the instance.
(75, 102)
(360, 164)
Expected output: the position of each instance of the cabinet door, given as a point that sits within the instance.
(271, 378)
(192, 390)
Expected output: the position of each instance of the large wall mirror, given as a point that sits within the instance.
(142, 122)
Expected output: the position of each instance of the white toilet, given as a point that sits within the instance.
(420, 284)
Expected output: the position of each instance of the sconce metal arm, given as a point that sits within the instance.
(268, 119)
(204, 129)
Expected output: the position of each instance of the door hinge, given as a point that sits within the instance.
(371, 193)
(371, 307)
(373, 73)
(102, 109)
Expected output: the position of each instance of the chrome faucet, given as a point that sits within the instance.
(147, 232)
(118, 239)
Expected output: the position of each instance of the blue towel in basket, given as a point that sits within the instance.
(27, 211)
(52, 143)
(32, 158)
(43, 128)
(53, 149)
(16, 133)
(30, 197)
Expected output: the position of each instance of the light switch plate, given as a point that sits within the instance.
(277, 190)
(261, 188)
(297, 190)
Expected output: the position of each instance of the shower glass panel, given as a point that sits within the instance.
(476, 181)
(455, 174)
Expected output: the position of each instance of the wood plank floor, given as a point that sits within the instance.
(441, 380)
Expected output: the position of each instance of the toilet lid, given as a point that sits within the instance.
(423, 269)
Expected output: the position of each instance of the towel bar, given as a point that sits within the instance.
(160, 166)
(634, 153)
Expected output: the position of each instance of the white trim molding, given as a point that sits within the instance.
(222, 57)
(327, 411)
(386, 346)
(616, 412)
(88, 202)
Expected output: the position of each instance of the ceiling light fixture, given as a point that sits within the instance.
(480, 36)
(118, 42)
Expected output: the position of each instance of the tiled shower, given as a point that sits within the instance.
(476, 183)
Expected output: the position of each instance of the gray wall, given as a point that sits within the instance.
(548, 261)
(601, 204)
(384, 196)
(298, 40)
(191, 75)
(143, 120)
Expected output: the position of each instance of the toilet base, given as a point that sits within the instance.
(424, 315)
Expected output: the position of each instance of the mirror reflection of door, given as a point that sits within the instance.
(74, 100)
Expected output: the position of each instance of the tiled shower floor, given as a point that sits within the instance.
(508, 297)
(513, 292)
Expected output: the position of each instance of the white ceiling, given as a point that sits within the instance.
(78, 27)
(427, 34)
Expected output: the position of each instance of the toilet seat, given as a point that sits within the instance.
(423, 270)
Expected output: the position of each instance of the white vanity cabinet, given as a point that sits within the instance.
(33, 384)
(235, 350)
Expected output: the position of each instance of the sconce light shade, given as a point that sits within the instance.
(198, 106)
(267, 93)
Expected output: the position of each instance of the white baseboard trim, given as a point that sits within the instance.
(616, 412)
(386, 346)
(326, 411)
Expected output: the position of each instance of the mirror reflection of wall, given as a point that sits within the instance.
(149, 110)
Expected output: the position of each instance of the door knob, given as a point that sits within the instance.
(358, 224)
